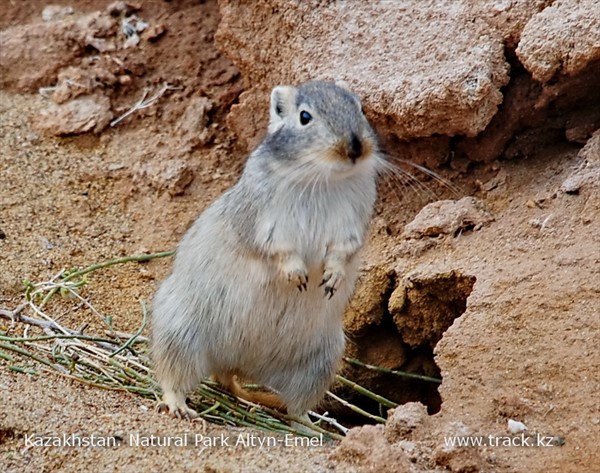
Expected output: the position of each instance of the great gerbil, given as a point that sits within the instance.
(261, 279)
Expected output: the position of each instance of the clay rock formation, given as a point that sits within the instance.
(46, 47)
(421, 69)
(427, 301)
(425, 70)
(564, 38)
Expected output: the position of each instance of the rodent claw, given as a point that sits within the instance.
(302, 282)
(331, 280)
(329, 291)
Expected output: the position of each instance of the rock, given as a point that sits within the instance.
(588, 171)
(508, 17)
(421, 69)
(192, 126)
(368, 303)
(448, 217)
(83, 114)
(366, 448)
(403, 420)
(515, 426)
(580, 133)
(172, 175)
(515, 113)
(427, 301)
(72, 83)
(499, 180)
(579, 179)
(76, 81)
(591, 151)
(563, 39)
(154, 32)
(56, 12)
(587, 175)
(373, 340)
(33, 54)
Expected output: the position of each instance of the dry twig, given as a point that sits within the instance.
(143, 103)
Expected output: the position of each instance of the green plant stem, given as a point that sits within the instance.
(21, 351)
(6, 356)
(356, 409)
(354, 361)
(131, 340)
(365, 392)
(20, 369)
(112, 262)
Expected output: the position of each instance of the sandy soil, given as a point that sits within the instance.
(526, 348)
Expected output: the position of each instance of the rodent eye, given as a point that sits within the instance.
(305, 117)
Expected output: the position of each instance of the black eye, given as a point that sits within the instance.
(305, 117)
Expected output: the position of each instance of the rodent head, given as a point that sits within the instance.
(319, 126)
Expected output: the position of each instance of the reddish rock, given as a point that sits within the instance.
(83, 114)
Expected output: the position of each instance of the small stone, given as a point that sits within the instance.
(516, 427)
(587, 175)
(56, 12)
(448, 217)
(403, 420)
(154, 32)
(124, 79)
(115, 166)
(83, 114)
(132, 41)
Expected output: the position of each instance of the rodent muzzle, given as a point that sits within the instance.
(355, 148)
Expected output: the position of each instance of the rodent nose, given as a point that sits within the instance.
(355, 148)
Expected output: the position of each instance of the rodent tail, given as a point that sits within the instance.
(264, 398)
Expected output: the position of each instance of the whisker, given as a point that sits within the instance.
(392, 160)
(399, 175)
(394, 189)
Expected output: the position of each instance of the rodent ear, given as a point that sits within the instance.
(283, 98)
(343, 85)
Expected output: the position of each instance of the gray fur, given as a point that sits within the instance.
(297, 216)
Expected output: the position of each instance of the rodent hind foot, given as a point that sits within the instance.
(176, 407)
(183, 413)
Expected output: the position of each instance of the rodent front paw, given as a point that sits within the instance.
(332, 278)
(300, 276)
(295, 270)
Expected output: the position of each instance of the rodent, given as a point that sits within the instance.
(261, 279)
